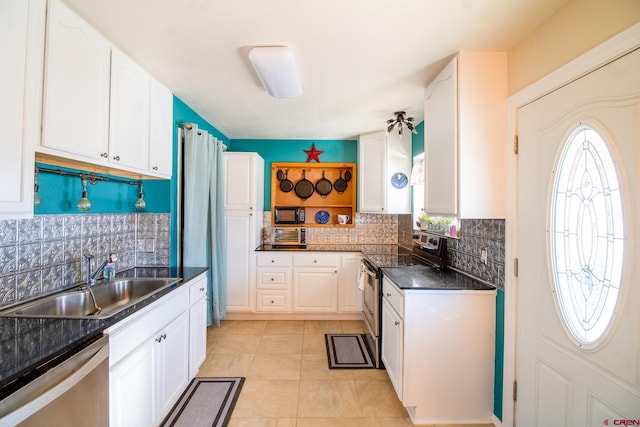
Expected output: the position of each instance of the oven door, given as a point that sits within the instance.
(371, 297)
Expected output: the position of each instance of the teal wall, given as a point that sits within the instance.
(499, 362)
(417, 140)
(291, 150)
(60, 193)
(183, 113)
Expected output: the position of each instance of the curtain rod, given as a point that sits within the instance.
(185, 125)
(91, 177)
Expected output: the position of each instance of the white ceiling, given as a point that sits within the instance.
(358, 60)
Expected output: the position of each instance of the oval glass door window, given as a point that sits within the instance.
(586, 236)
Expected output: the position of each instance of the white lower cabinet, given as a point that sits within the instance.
(153, 355)
(308, 282)
(315, 282)
(392, 345)
(438, 349)
(349, 296)
(315, 289)
(197, 324)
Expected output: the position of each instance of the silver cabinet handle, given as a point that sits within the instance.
(388, 295)
(161, 337)
(105, 155)
(116, 158)
(273, 260)
(201, 289)
(396, 323)
(155, 168)
(315, 261)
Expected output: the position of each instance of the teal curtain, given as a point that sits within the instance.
(204, 236)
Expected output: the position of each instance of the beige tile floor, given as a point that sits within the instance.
(288, 382)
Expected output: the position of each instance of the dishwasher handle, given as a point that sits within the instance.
(54, 383)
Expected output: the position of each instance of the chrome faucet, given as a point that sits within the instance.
(91, 280)
(91, 277)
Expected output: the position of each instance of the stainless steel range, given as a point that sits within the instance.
(428, 249)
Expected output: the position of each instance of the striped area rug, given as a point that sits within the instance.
(206, 402)
(347, 351)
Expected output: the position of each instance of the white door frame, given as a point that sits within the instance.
(617, 46)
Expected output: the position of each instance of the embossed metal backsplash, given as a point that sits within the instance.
(475, 234)
(45, 254)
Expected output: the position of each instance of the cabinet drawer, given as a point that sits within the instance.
(274, 260)
(316, 260)
(392, 294)
(273, 301)
(137, 329)
(268, 278)
(197, 291)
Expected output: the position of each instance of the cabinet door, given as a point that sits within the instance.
(239, 175)
(441, 143)
(398, 173)
(197, 336)
(22, 26)
(171, 349)
(240, 278)
(350, 297)
(132, 382)
(392, 345)
(160, 130)
(129, 118)
(76, 86)
(315, 289)
(371, 172)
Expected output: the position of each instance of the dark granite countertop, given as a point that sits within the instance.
(331, 247)
(30, 346)
(424, 277)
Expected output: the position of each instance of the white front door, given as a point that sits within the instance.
(574, 367)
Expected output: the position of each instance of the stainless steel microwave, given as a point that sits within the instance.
(288, 215)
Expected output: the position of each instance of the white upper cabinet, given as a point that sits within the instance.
(100, 107)
(76, 87)
(22, 25)
(465, 119)
(441, 147)
(129, 115)
(384, 168)
(160, 129)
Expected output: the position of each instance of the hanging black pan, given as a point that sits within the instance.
(304, 188)
(340, 185)
(285, 183)
(323, 186)
(347, 175)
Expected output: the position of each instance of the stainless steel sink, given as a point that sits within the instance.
(112, 297)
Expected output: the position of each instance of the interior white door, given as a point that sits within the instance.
(563, 378)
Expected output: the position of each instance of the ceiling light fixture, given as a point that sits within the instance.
(400, 120)
(277, 70)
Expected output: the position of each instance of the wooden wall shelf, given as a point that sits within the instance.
(334, 203)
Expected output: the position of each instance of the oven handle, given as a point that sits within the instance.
(369, 269)
(53, 384)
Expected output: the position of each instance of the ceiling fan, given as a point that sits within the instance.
(400, 120)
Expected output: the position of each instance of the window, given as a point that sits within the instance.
(586, 235)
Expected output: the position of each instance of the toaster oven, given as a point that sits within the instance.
(288, 236)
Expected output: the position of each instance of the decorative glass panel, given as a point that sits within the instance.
(587, 235)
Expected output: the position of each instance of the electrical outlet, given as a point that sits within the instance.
(141, 245)
(150, 245)
(483, 256)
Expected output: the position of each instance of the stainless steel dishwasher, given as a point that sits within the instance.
(73, 393)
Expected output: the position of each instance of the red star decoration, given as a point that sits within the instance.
(313, 153)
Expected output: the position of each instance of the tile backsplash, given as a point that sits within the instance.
(476, 234)
(369, 229)
(45, 254)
